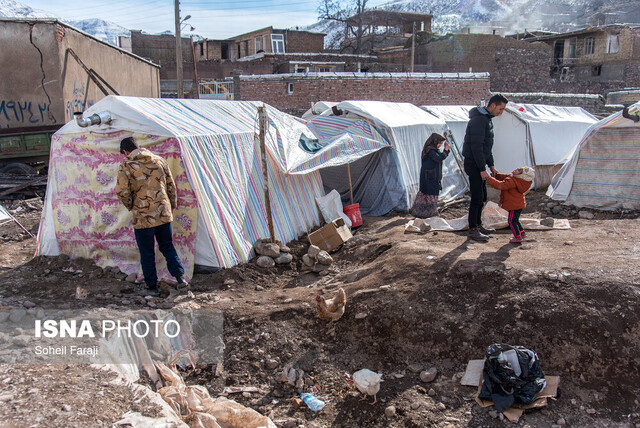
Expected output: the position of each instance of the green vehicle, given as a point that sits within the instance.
(25, 151)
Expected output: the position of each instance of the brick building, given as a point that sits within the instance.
(294, 93)
(594, 60)
(161, 49)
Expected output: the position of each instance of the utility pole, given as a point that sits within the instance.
(178, 51)
(413, 45)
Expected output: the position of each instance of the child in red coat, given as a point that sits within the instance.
(513, 187)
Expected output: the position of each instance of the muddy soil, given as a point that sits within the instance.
(413, 302)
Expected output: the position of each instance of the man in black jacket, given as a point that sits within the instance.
(478, 142)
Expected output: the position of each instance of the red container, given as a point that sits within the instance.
(353, 212)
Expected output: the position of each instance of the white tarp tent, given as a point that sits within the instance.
(407, 127)
(604, 170)
(527, 134)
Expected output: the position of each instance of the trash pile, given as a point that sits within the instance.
(272, 253)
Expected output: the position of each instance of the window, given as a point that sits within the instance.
(572, 47)
(201, 48)
(588, 46)
(277, 43)
(324, 69)
(257, 43)
(300, 69)
(612, 43)
(596, 70)
(290, 88)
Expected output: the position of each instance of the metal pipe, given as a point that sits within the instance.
(94, 119)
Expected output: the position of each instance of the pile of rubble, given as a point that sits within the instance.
(272, 253)
(316, 260)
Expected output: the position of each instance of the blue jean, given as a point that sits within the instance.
(146, 246)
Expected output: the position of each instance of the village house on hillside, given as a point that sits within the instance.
(595, 58)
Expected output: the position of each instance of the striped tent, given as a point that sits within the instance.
(213, 150)
(604, 170)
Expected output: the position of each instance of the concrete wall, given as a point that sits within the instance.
(416, 88)
(35, 95)
(127, 74)
(30, 93)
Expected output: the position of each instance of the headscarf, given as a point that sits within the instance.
(431, 143)
(527, 174)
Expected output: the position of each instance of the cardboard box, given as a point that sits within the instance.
(331, 236)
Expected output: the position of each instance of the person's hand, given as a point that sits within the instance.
(493, 171)
(484, 175)
(446, 145)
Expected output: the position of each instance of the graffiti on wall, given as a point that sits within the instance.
(78, 101)
(19, 113)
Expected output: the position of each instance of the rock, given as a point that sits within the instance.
(284, 258)
(324, 258)
(271, 363)
(313, 251)
(16, 314)
(415, 368)
(548, 221)
(66, 408)
(591, 411)
(125, 302)
(493, 414)
(259, 288)
(81, 293)
(431, 392)
(308, 261)
(320, 268)
(556, 210)
(289, 423)
(28, 304)
(132, 278)
(569, 243)
(265, 262)
(385, 287)
(587, 215)
(296, 403)
(265, 248)
(415, 405)
(410, 228)
(284, 249)
(361, 315)
(390, 412)
(551, 204)
(441, 407)
(561, 422)
(22, 340)
(429, 375)
(6, 397)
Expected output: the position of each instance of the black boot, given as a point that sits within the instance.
(181, 284)
(476, 235)
(485, 230)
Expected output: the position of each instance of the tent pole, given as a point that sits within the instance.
(262, 119)
(350, 188)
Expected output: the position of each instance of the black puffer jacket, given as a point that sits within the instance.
(478, 140)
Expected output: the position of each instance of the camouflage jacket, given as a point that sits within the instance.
(145, 186)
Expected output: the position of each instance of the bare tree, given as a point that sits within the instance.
(352, 15)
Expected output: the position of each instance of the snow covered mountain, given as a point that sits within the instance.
(103, 30)
(12, 9)
(451, 16)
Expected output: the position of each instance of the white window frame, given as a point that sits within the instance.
(256, 45)
(589, 45)
(277, 43)
(289, 88)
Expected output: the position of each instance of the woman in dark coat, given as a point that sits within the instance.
(426, 203)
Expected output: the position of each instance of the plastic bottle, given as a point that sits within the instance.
(312, 402)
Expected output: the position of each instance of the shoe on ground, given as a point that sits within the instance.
(523, 234)
(516, 240)
(485, 230)
(149, 292)
(181, 284)
(476, 235)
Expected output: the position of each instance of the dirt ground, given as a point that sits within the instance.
(413, 302)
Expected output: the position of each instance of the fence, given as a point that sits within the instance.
(216, 90)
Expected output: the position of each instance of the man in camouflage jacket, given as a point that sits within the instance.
(146, 188)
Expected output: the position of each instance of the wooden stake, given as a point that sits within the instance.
(350, 188)
(262, 119)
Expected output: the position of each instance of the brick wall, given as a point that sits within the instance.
(416, 88)
(304, 41)
(159, 49)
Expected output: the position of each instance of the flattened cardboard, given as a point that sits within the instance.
(514, 412)
(331, 236)
(473, 374)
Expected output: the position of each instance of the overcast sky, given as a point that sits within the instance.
(216, 19)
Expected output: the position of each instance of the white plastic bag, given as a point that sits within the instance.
(331, 207)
